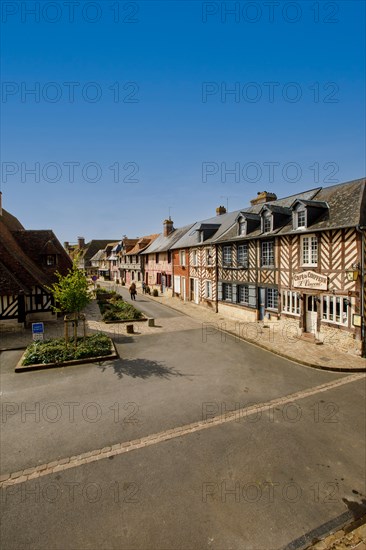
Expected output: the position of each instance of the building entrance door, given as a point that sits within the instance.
(311, 314)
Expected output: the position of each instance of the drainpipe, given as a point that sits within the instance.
(361, 230)
(216, 280)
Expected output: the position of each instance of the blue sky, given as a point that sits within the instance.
(108, 164)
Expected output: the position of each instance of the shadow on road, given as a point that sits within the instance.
(140, 368)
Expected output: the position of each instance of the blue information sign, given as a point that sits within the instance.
(37, 328)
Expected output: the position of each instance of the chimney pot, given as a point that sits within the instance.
(220, 210)
(262, 197)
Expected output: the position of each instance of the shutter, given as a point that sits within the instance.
(177, 284)
(234, 293)
(252, 296)
(219, 292)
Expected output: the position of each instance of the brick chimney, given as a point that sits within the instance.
(220, 210)
(262, 197)
(168, 227)
(81, 242)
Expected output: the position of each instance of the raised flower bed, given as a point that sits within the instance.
(56, 352)
(116, 310)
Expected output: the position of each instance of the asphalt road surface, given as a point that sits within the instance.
(269, 479)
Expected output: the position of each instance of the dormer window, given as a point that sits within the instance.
(301, 219)
(242, 227)
(267, 222)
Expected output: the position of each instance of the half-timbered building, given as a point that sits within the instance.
(301, 259)
(28, 262)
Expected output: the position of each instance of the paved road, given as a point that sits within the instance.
(259, 481)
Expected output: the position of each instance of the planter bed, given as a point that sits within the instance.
(144, 318)
(111, 354)
(119, 311)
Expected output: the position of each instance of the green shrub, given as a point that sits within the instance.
(121, 311)
(56, 351)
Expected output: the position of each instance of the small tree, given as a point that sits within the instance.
(71, 294)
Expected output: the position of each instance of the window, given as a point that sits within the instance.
(309, 250)
(300, 219)
(267, 222)
(242, 227)
(227, 292)
(243, 294)
(291, 302)
(208, 290)
(194, 257)
(157, 257)
(51, 260)
(335, 309)
(227, 253)
(267, 258)
(272, 298)
(177, 284)
(182, 257)
(243, 255)
(209, 257)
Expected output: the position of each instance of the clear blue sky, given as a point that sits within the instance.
(173, 62)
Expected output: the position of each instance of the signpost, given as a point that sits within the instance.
(37, 331)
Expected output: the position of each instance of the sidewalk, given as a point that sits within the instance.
(291, 347)
(348, 538)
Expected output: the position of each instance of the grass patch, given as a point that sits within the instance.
(55, 350)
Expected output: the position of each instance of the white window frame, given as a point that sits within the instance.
(227, 251)
(245, 290)
(195, 257)
(245, 253)
(242, 227)
(225, 287)
(267, 217)
(309, 253)
(269, 254)
(290, 301)
(298, 224)
(329, 309)
(209, 257)
(273, 299)
(182, 258)
(208, 289)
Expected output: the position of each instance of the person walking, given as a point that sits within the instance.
(143, 287)
(133, 291)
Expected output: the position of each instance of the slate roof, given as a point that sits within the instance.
(347, 208)
(162, 244)
(22, 252)
(98, 256)
(92, 248)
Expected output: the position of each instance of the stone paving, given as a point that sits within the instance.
(352, 538)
